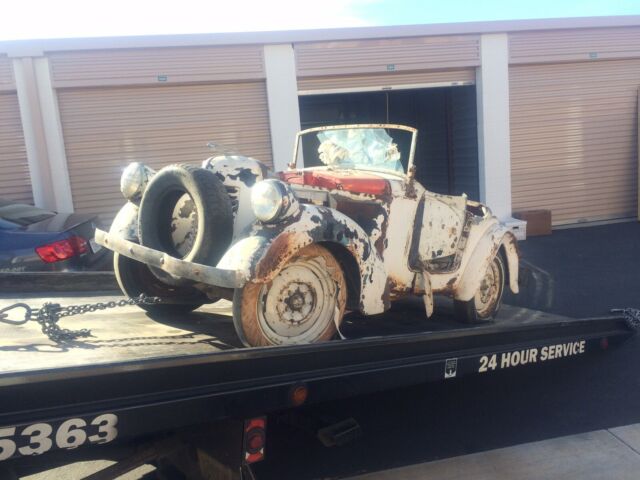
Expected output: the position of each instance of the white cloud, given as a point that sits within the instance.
(86, 18)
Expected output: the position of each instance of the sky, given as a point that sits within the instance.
(28, 19)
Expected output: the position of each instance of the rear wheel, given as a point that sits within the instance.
(135, 278)
(485, 304)
(303, 303)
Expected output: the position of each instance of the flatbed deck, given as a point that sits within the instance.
(126, 334)
(162, 374)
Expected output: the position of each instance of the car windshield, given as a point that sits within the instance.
(20, 214)
(358, 148)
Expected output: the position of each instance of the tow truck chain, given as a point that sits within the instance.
(50, 313)
(631, 316)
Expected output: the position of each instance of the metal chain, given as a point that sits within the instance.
(631, 316)
(50, 313)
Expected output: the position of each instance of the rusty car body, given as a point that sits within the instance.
(294, 250)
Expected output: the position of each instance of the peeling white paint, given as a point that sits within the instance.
(403, 238)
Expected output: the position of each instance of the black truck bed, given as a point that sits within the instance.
(128, 334)
(160, 374)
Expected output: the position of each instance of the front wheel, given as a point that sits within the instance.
(303, 303)
(135, 278)
(484, 306)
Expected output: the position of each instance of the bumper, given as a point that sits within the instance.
(173, 266)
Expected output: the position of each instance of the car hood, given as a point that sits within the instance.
(61, 222)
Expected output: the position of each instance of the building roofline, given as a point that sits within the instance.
(38, 47)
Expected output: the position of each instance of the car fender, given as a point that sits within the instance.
(268, 247)
(488, 245)
(125, 223)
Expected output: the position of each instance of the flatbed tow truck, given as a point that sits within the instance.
(182, 394)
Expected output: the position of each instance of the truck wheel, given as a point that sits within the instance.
(303, 303)
(485, 304)
(186, 212)
(135, 278)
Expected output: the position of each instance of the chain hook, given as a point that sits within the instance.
(144, 299)
(50, 313)
(4, 316)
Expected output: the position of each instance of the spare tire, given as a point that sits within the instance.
(205, 206)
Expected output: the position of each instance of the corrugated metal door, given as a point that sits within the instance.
(358, 57)
(15, 182)
(387, 62)
(107, 128)
(387, 81)
(573, 139)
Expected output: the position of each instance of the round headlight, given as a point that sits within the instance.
(267, 200)
(134, 180)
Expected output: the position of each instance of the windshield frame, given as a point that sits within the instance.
(412, 149)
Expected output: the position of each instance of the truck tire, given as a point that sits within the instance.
(210, 216)
(303, 303)
(484, 306)
(135, 278)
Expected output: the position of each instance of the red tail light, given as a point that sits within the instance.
(62, 249)
(255, 438)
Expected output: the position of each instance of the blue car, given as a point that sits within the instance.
(33, 240)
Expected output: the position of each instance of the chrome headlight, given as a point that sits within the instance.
(267, 200)
(134, 180)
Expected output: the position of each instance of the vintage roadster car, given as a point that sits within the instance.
(352, 230)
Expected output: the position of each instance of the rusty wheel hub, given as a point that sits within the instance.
(489, 293)
(299, 303)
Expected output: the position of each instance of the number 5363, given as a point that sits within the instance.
(39, 438)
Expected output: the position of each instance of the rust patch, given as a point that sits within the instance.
(397, 289)
(279, 251)
(367, 215)
(449, 287)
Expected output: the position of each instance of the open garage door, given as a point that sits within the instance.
(15, 182)
(446, 117)
(573, 139)
(107, 128)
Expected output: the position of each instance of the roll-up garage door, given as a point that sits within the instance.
(389, 81)
(573, 139)
(107, 128)
(15, 183)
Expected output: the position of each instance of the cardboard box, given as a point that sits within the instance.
(538, 221)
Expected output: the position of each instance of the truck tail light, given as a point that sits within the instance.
(62, 249)
(255, 438)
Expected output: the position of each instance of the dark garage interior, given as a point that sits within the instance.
(446, 119)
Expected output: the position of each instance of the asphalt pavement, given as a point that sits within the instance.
(575, 272)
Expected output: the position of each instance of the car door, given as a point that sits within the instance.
(443, 220)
